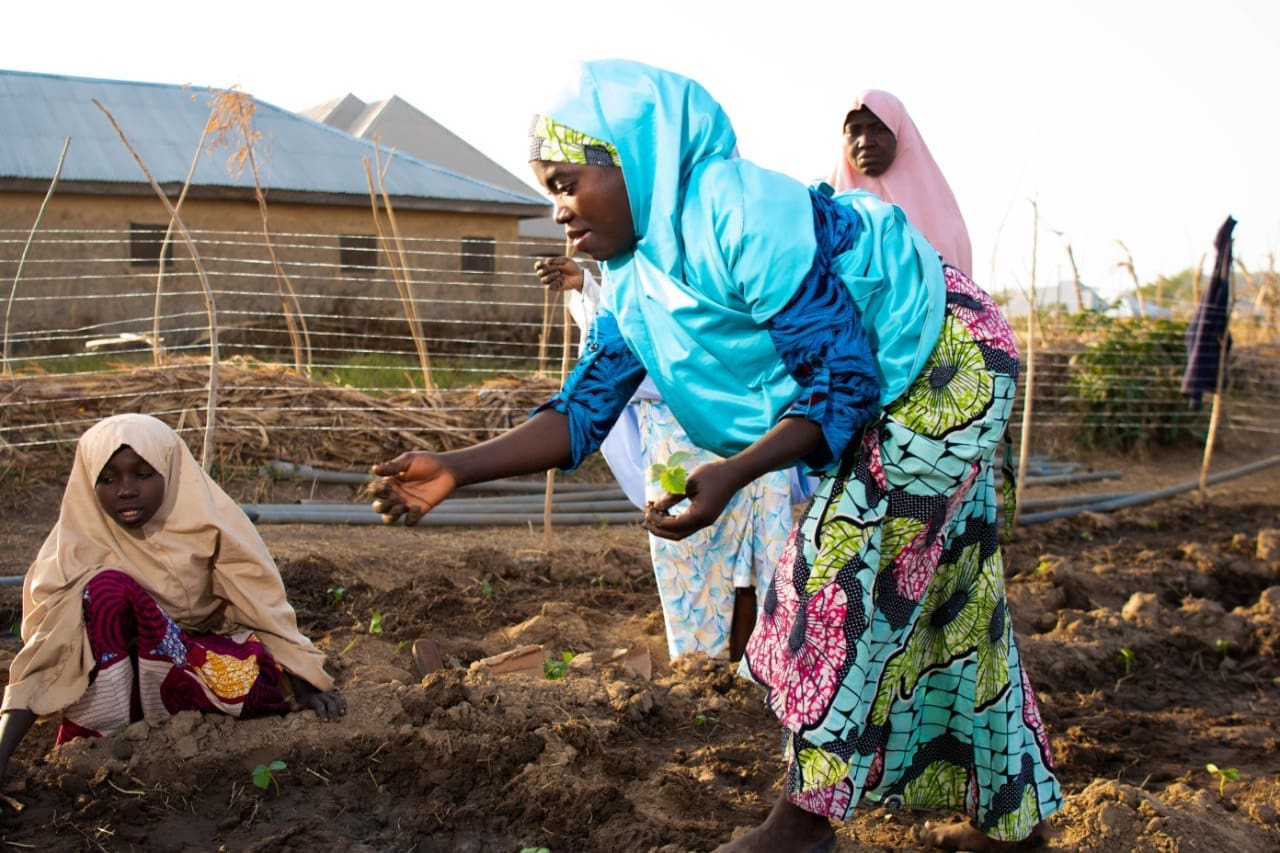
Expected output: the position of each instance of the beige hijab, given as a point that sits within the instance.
(199, 557)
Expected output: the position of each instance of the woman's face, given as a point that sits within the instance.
(591, 203)
(129, 489)
(869, 145)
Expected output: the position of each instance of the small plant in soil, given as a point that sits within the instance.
(1224, 774)
(264, 775)
(535, 850)
(556, 669)
(670, 475)
(375, 623)
(337, 594)
(1127, 659)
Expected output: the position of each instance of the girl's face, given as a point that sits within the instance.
(129, 489)
(591, 203)
(869, 145)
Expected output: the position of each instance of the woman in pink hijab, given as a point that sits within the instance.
(885, 155)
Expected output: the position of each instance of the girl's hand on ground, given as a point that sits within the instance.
(561, 273)
(708, 490)
(329, 705)
(410, 486)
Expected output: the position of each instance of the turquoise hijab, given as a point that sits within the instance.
(722, 246)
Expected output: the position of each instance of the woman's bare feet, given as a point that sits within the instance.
(965, 836)
(787, 829)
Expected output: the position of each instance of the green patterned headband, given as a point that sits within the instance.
(555, 143)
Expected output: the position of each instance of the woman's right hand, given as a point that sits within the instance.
(560, 273)
(410, 486)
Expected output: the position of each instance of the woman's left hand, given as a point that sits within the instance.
(328, 704)
(708, 489)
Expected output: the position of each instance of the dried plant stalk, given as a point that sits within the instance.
(22, 259)
(206, 451)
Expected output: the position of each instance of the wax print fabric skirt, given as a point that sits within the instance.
(697, 576)
(885, 641)
(147, 666)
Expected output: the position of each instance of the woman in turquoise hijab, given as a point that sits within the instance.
(780, 325)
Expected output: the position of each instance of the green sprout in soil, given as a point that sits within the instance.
(555, 669)
(336, 595)
(264, 775)
(486, 588)
(705, 720)
(1224, 774)
(1127, 659)
(1220, 646)
(535, 850)
(671, 475)
(375, 623)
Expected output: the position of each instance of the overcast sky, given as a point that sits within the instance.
(1142, 122)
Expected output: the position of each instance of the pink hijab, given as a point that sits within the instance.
(913, 181)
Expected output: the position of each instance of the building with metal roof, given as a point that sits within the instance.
(453, 236)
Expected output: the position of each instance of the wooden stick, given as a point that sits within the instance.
(564, 372)
(1024, 442)
(1216, 414)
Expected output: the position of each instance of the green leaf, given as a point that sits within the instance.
(673, 480)
(375, 624)
(678, 458)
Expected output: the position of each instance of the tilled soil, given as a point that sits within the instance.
(1151, 633)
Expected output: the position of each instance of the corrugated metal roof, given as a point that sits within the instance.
(164, 123)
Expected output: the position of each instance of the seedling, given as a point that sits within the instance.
(375, 623)
(336, 595)
(1224, 774)
(671, 475)
(1086, 535)
(1220, 646)
(705, 720)
(535, 850)
(555, 669)
(1127, 659)
(598, 581)
(264, 775)
(486, 588)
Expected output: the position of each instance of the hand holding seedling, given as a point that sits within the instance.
(411, 485)
(560, 273)
(708, 490)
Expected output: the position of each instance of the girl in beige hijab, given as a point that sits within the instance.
(154, 594)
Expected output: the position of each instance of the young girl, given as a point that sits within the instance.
(782, 325)
(154, 594)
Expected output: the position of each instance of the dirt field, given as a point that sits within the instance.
(1152, 634)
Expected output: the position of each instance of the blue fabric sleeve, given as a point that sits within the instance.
(598, 389)
(820, 337)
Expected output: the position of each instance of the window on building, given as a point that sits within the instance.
(358, 253)
(145, 243)
(478, 255)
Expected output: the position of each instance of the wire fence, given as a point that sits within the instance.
(332, 351)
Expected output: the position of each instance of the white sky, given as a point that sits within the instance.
(1146, 122)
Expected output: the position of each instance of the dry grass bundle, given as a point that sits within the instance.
(265, 412)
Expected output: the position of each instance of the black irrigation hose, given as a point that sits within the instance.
(1138, 498)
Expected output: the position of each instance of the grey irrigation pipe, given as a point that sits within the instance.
(1074, 500)
(1149, 497)
(282, 470)
(1054, 479)
(305, 514)
(455, 506)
